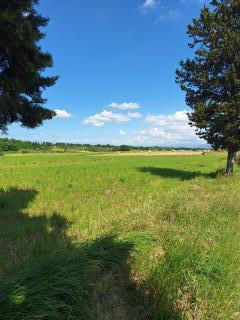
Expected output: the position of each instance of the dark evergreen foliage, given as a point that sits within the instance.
(21, 65)
(211, 79)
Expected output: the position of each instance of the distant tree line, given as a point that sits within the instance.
(12, 145)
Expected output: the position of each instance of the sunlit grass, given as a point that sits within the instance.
(160, 233)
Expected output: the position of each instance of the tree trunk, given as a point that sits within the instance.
(230, 162)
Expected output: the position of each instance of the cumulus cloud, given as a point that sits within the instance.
(154, 133)
(161, 120)
(170, 129)
(100, 119)
(125, 105)
(62, 113)
(134, 115)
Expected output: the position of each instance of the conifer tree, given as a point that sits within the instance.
(211, 79)
(22, 63)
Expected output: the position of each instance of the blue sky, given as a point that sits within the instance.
(116, 60)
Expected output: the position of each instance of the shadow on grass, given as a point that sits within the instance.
(60, 279)
(24, 238)
(175, 173)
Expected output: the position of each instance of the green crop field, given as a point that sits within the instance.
(111, 237)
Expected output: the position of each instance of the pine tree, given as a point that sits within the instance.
(21, 65)
(211, 79)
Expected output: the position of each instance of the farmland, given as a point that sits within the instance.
(111, 237)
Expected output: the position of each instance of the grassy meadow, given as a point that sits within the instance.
(111, 237)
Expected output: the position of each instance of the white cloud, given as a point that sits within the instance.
(163, 130)
(161, 120)
(62, 113)
(99, 119)
(122, 132)
(134, 115)
(149, 5)
(154, 133)
(166, 13)
(125, 105)
(170, 129)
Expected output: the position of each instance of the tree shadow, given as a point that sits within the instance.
(24, 238)
(175, 173)
(56, 278)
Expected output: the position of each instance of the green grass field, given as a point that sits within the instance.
(101, 237)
